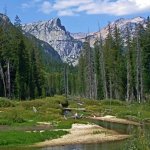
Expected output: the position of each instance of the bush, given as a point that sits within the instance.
(91, 102)
(5, 122)
(29, 104)
(5, 102)
(113, 102)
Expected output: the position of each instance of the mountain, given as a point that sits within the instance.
(46, 50)
(48, 53)
(120, 23)
(56, 35)
(79, 36)
(68, 45)
(4, 19)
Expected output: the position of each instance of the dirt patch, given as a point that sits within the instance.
(115, 120)
(84, 134)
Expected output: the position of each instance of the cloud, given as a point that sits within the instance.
(30, 4)
(25, 5)
(66, 13)
(75, 7)
(65, 4)
(118, 8)
(46, 7)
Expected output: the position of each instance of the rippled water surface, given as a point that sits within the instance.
(103, 146)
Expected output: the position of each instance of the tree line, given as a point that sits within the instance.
(26, 72)
(21, 73)
(117, 67)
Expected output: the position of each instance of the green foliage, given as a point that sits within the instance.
(139, 141)
(48, 110)
(120, 67)
(15, 138)
(113, 102)
(5, 103)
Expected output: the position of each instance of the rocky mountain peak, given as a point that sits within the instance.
(55, 34)
(121, 23)
(4, 19)
(69, 45)
(57, 22)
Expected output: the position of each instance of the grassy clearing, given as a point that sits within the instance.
(17, 114)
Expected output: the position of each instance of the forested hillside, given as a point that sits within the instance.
(20, 63)
(30, 68)
(117, 68)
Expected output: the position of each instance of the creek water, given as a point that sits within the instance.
(103, 146)
(114, 145)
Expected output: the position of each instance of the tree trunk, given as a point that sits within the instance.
(138, 70)
(8, 78)
(110, 86)
(103, 72)
(128, 67)
(2, 75)
(95, 86)
(128, 81)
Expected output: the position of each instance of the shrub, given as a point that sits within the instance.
(113, 102)
(5, 102)
(29, 104)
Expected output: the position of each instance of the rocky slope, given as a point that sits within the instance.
(68, 45)
(56, 35)
(46, 50)
(4, 20)
(120, 23)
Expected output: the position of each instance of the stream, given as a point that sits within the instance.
(102, 146)
(114, 145)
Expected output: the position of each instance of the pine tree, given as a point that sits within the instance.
(22, 72)
(81, 76)
(17, 22)
(100, 70)
(90, 73)
(146, 58)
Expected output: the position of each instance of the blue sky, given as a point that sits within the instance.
(76, 15)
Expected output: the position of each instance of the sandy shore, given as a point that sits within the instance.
(115, 120)
(84, 134)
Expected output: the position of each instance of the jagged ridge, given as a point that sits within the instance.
(56, 35)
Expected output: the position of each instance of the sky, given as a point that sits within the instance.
(76, 15)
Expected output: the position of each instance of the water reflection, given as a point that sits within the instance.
(103, 146)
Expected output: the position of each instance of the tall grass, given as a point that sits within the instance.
(14, 138)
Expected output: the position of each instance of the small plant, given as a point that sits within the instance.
(100, 132)
(5, 103)
(139, 141)
(113, 102)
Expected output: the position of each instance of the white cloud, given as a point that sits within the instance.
(65, 4)
(75, 7)
(30, 4)
(25, 5)
(66, 13)
(46, 7)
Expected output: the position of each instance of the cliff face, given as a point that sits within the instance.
(68, 45)
(120, 23)
(56, 35)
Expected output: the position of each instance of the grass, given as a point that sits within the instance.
(20, 113)
(5, 102)
(13, 138)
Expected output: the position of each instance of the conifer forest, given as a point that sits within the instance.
(115, 68)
